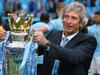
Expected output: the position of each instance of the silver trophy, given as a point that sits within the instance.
(19, 32)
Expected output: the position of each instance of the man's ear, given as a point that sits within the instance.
(80, 26)
(84, 22)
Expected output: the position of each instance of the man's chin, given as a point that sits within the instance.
(68, 32)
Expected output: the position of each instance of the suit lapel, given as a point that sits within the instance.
(58, 37)
(75, 40)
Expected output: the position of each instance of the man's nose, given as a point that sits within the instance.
(69, 20)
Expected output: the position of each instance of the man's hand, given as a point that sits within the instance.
(39, 38)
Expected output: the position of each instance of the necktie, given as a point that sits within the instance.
(57, 62)
(64, 41)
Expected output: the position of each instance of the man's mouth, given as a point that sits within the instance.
(69, 27)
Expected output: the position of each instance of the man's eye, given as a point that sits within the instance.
(66, 17)
(74, 18)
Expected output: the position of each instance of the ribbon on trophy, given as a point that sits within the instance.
(29, 62)
(2, 53)
(30, 59)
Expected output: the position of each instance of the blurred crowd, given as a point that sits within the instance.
(52, 8)
(38, 6)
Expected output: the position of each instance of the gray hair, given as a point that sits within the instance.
(78, 8)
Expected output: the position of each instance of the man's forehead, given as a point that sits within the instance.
(72, 13)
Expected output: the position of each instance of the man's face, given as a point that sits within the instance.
(97, 18)
(71, 23)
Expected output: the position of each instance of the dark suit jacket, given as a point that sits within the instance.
(74, 59)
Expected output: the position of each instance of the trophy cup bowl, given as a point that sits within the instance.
(20, 26)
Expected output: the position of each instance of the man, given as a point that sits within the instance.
(95, 31)
(75, 57)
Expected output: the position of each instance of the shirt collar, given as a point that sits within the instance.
(70, 36)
